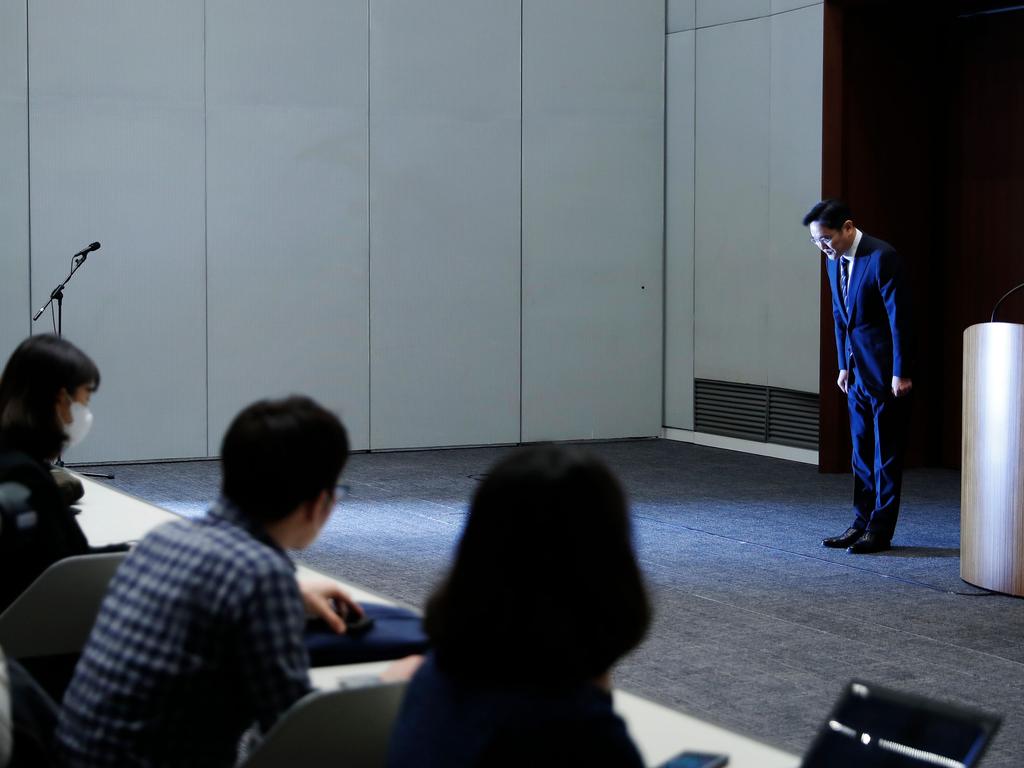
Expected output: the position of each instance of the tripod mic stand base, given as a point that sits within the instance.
(101, 475)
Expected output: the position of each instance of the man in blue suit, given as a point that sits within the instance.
(871, 306)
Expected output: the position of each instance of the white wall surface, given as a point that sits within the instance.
(681, 15)
(711, 12)
(288, 251)
(680, 93)
(792, 280)
(444, 222)
(753, 89)
(731, 213)
(592, 218)
(231, 158)
(117, 156)
(780, 6)
(14, 247)
(326, 197)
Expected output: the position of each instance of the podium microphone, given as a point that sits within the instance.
(994, 309)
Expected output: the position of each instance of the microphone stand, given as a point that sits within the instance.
(1005, 297)
(57, 294)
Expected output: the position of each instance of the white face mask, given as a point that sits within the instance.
(81, 421)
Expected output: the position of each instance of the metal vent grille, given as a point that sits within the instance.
(735, 410)
(751, 412)
(793, 418)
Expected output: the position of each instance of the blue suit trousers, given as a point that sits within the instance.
(878, 426)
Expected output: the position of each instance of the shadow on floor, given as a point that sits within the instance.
(924, 552)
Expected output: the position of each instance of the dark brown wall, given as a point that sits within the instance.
(985, 208)
(924, 119)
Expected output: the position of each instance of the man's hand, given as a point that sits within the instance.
(326, 599)
(843, 382)
(901, 387)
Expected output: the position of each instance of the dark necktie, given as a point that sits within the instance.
(844, 281)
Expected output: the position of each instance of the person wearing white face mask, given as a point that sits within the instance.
(80, 419)
(44, 409)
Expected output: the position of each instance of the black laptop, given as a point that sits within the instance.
(872, 727)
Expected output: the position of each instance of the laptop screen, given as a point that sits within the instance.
(872, 726)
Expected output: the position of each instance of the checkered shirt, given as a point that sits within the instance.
(200, 635)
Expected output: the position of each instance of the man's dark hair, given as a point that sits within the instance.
(829, 213)
(35, 374)
(278, 454)
(545, 591)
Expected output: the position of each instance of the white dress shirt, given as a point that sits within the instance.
(851, 256)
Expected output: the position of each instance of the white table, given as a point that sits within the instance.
(659, 732)
(110, 516)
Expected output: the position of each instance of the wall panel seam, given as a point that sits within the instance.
(28, 162)
(770, 315)
(664, 236)
(693, 241)
(206, 237)
(522, 292)
(369, 250)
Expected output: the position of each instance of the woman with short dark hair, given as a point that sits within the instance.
(544, 596)
(44, 398)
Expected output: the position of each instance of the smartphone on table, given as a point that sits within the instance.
(696, 760)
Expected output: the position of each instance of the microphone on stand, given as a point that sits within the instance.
(86, 251)
(996, 307)
(58, 293)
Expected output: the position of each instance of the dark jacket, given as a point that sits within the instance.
(876, 331)
(444, 723)
(56, 535)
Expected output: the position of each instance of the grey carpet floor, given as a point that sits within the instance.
(757, 627)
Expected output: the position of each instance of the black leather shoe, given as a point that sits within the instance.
(868, 544)
(843, 540)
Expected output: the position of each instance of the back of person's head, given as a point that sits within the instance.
(545, 591)
(278, 454)
(30, 385)
(829, 213)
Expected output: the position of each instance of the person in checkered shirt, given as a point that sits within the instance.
(200, 634)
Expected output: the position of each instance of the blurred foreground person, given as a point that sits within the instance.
(544, 596)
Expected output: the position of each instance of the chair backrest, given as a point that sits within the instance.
(349, 728)
(56, 613)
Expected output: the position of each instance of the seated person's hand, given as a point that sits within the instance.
(326, 599)
(70, 487)
(401, 670)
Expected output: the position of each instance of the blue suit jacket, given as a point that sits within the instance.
(876, 331)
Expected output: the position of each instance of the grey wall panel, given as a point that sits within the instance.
(781, 6)
(287, 206)
(711, 12)
(445, 225)
(792, 281)
(14, 256)
(680, 93)
(732, 168)
(117, 156)
(593, 163)
(681, 15)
